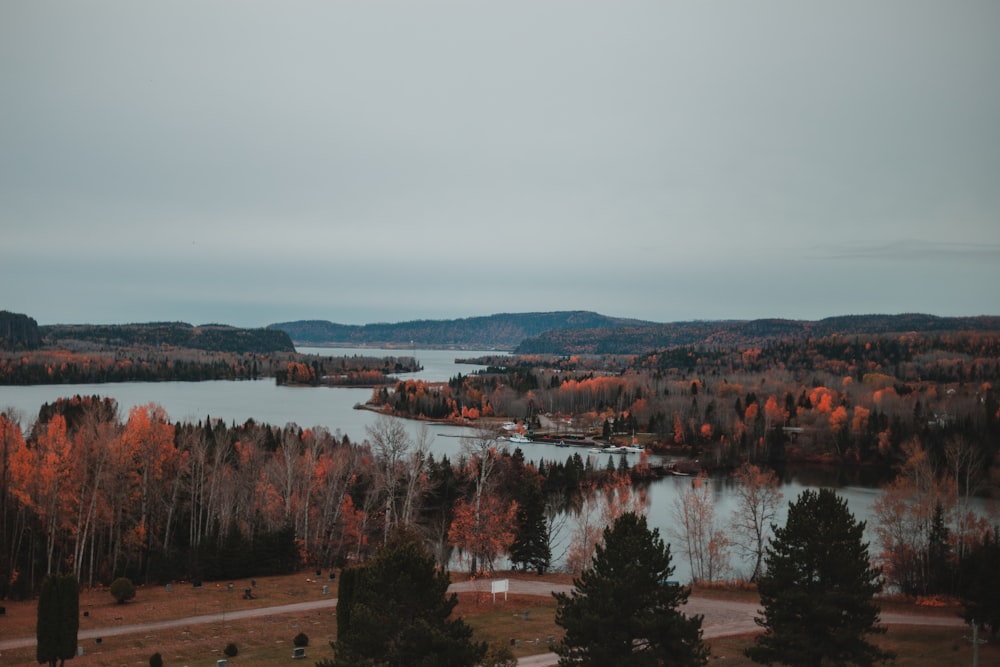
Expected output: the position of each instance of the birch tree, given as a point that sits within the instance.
(481, 456)
(390, 443)
(758, 500)
(706, 547)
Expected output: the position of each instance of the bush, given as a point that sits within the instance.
(122, 589)
(156, 660)
(499, 655)
(301, 640)
(231, 650)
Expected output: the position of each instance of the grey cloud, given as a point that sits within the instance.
(393, 159)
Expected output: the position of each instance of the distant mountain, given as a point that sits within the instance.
(736, 333)
(210, 337)
(503, 331)
(18, 332)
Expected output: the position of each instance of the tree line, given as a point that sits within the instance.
(209, 337)
(87, 492)
(642, 338)
(842, 400)
(159, 364)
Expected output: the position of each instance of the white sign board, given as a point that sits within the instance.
(499, 586)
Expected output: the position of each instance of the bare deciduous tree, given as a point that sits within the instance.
(706, 547)
(390, 443)
(759, 498)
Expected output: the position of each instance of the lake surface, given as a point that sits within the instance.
(333, 408)
(263, 400)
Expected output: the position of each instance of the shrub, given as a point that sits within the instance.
(156, 660)
(231, 650)
(122, 589)
(499, 655)
(301, 639)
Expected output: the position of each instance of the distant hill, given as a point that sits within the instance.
(503, 331)
(18, 332)
(210, 337)
(737, 333)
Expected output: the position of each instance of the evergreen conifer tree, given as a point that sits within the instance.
(58, 619)
(980, 588)
(624, 609)
(531, 546)
(399, 613)
(817, 590)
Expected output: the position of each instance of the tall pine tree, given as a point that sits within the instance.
(817, 591)
(58, 619)
(531, 549)
(624, 609)
(398, 613)
(980, 589)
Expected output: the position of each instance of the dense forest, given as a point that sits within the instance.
(210, 337)
(644, 338)
(145, 364)
(85, 492)
(581, 332)
(18, 332)
(845, 400)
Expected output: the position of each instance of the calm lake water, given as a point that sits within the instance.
(262, 400)
(333, 408)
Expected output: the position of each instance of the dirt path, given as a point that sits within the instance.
(722, 617)
(183, 622)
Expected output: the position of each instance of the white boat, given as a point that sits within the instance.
(520, 439)
(612, 449)
(634, 449)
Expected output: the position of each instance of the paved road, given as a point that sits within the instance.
(722, 617)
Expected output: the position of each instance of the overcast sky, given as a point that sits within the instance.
(251, 163)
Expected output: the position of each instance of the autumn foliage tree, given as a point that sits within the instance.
(485, 533)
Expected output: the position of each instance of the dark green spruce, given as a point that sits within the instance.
(58, 619)
(398, 614)
(817, 591)
(624, 610)
(531, 550)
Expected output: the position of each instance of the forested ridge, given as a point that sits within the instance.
(210, 337)
(501, 331)
(18, 332)
(156, 364)
(638, 339)
(173, 351)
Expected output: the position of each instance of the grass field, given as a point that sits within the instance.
(528, 621)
